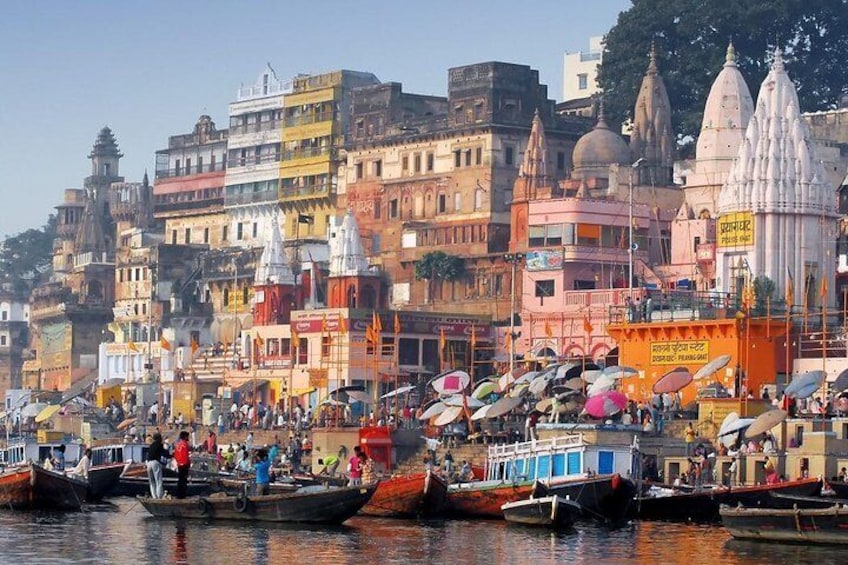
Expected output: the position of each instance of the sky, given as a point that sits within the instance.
(149, 69)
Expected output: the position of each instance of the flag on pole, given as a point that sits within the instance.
(376, 323)
(259, 340)
(549, 332)
(790, 290)
(442, 341)
(342, 326)
(165, 344)
(132, 346)
(587, 325)
(397, 324)
(473, 336)
(823, 291)
(324, 324)
(295, 339)
(371, 335)
(507, 340)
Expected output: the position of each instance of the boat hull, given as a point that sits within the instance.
(32, 487)
(324, 506)
(549, 511)
(607, 498)
(820, 526)
(703, 506)
(102, 481)
(408, 496)
(140, 486)
(484, 499)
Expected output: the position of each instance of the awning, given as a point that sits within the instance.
(79, 387)
(300, 391)
(113, 382)
(252, 385)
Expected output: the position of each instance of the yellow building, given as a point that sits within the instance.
(315, 118)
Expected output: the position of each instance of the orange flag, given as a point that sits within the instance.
(376, 323)
(259, 340)
(473, 337)
(343, 326)
(824, 287)
(397, 324)
(371, 335)
(295, 339)
(194, 346)
(442, 340)
(132, 346)
(165, 344)
(549, 330)
(324, 324)
(587, 325)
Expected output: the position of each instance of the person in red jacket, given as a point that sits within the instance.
(181, 456)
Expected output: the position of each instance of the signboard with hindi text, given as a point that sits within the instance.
(692, 352)
(735, 229)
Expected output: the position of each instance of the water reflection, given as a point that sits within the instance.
(123, 532)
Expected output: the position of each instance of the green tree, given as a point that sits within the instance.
(764, 289)
(25, 258)
(436, 267)
(691, 38)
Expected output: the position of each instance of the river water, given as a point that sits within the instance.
(122, 532)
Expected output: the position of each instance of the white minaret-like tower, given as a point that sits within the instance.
(779, 185)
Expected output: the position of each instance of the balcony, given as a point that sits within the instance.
(306, 119)
(310, 191)
(257, 127)
(272, 88)
(166, 207)
(306, 153)
(250, 198)
(189, 171)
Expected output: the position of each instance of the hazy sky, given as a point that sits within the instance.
(149, 69)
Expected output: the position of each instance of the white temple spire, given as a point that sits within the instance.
(347, 256)
(273, 267)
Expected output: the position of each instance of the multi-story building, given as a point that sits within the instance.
(14, 339)
(580, 71)
(426, 174)
(253, 160)
(189, 186)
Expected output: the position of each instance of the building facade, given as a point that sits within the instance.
(580, 71)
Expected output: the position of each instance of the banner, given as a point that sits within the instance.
(692, 352)
(735, 229)
(543, 260)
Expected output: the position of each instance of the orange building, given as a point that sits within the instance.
(757, 346)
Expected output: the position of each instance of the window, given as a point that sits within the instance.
(696, 243)
(137, 274)
(226, 296)
(325, 347)
(377, 207)
(536, 236)
(393, 208)
(430, 162)
(188, 167)
(255, 230)
(544, 289)
(205, 235)
(144, 308)
(458, 114)
(2, 340)
(245, 294)
(200, 164)
(177, 168)
(582, 81)
(173, 237)
(560, 160)
(239, 231)
(417, 166)
(478, 199)
(224, 232)
(303, 351)
(378, 168)
(188, 235)
(404, 163)
(588, 234)
(442, 203)
(509, 155)
(120, 279)
(457, 158)
(359, 171)
(478, 157)
(478, 111)
(457, 202)
(467, 157)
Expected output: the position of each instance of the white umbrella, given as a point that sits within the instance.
(620, 372)
(710, 368)
(539, 384)
(591, 375)
(433, 410)
(32, 410)
(481, 412)
(504, 405)
(456, 400)
(448, 416)
(359, 396)
(604, 383)
(397, 391)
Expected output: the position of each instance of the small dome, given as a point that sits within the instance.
(597, 150)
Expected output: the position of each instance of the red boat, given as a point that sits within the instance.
(408, 496)
(483, 499)
(33, 487)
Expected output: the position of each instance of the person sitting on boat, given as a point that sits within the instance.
(84, 464)
(57, 458)
(768, 444)
(843, 475)
(733, 472)
(262, 467)
(465, 472)
(771, 474)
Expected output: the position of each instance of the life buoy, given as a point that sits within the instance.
(203, 506)
(240, 503)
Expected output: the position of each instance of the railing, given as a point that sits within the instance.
(304, 191)
(188, 205)
(306, 119)
(192, 170)
(256, 127)
(262, 90)
(250, 160)
(306, 152)
(250, 197)
(511, 451)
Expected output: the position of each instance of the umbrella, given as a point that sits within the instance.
(32, 410)
(765, 421)
(620, 372)
(604, 383)
(729, 419)
(591, 375)
(804, 385)
(398, 391)
(568, 394)
(539, 384)
(727, 436)
(563, 370)
(448, 416)
(504, 405)
(484, 389)
(127, 423)
(509, 378)
(606, 404)
(710, 368)
(332, 402)
(519, 390)
(575, 383)
(526, 378)
(481, 412)
(451, 382)
(433, 410)
(47, 413)
(358, 396)
(674, 380)
(545, 405)
(841, 382)
(456, 400)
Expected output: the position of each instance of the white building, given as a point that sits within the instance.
(580, 71)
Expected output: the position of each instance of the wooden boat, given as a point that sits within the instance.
(607, 498)
(236, 486)
(703, 505)
(103, 480)
(314, 505)
(408, 496)
(140, 486)
(31, 486)
(812, 525)
(550, 511)
(484, 499)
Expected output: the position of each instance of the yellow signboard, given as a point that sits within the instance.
(735, 229)
(692, 352)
